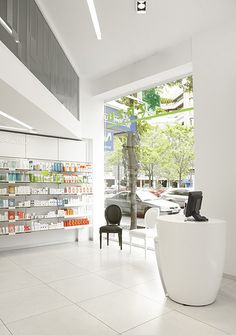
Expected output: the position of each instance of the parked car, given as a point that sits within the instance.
(177, 195)
(157, 192)
(145, 200)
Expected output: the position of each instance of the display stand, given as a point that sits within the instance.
(39, 195)
(190, 256)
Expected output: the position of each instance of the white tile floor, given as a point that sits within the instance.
(72, 289)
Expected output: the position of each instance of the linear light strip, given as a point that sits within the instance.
(15, 120)
(12, 128)
(94, 18)
(6, 26)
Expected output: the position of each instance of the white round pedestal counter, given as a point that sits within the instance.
(190, 255)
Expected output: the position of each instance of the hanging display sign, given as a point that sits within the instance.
(121, 118)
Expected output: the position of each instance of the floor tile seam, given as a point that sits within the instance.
(223, 295)
(42, 283)
(108, 280)
(87, 274)
(113, 282)
(61, 279)
(51, 281)
(145, 322)
(153, 318)
(141, 283)
(21, 288)
(69, 261)
(98, 296)
(38, 314)
(95, 317)
(5, 325)
(201, 321)
(124, 286)
(145, 296)
(112, 268)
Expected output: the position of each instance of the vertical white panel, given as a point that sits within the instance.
(72, 150)
(12, 145)
(214, 79)
(41, 147)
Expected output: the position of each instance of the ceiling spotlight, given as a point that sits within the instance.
(141, 7)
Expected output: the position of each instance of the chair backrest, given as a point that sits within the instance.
(113, 214)
(151, 217)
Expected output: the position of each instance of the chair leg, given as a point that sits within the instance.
(100, 240)
(120, 240)
(145, 246)
(107, 238)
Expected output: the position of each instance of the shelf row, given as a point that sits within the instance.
(11, 203)
(44, 165)
(42, 177)
(67, 217)
(13, 190)
(43, 171)
(46, 194)
(28, 229)
(51, 206)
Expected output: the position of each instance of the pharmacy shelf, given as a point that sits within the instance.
(14, 170)
(63, 172)
(78, 227)
(34, 180)
(14, 182)
(50, 229)
(14, 221)
(53, 206)
(53, 195)
(71, 217)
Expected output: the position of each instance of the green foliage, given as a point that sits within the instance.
(114, 158)
(179, 152)
(152, 152)
(152, 98)
(186, 84)
(167, 152)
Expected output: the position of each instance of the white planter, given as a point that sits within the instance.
(191, 255)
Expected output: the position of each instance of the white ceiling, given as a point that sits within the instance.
(126, 36)
(28, 113)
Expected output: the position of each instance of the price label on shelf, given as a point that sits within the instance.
(11, 207)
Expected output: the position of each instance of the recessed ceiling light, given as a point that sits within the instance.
(141, 6)
(94, 18)
(15, 120)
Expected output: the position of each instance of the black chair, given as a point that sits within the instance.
(113, 217)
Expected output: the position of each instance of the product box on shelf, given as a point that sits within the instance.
(11, 229)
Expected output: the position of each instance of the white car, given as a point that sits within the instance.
(177, 195)
(145, 200)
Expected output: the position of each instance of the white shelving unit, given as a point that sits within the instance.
(68, 185)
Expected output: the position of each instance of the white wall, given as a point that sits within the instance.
(92, 120)
(157, 68)
(214, 70)
(213, 55)
(27, 99)
(28, 146)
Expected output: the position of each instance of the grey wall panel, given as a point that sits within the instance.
(3, 9)
(22, 31)
(40, 51)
